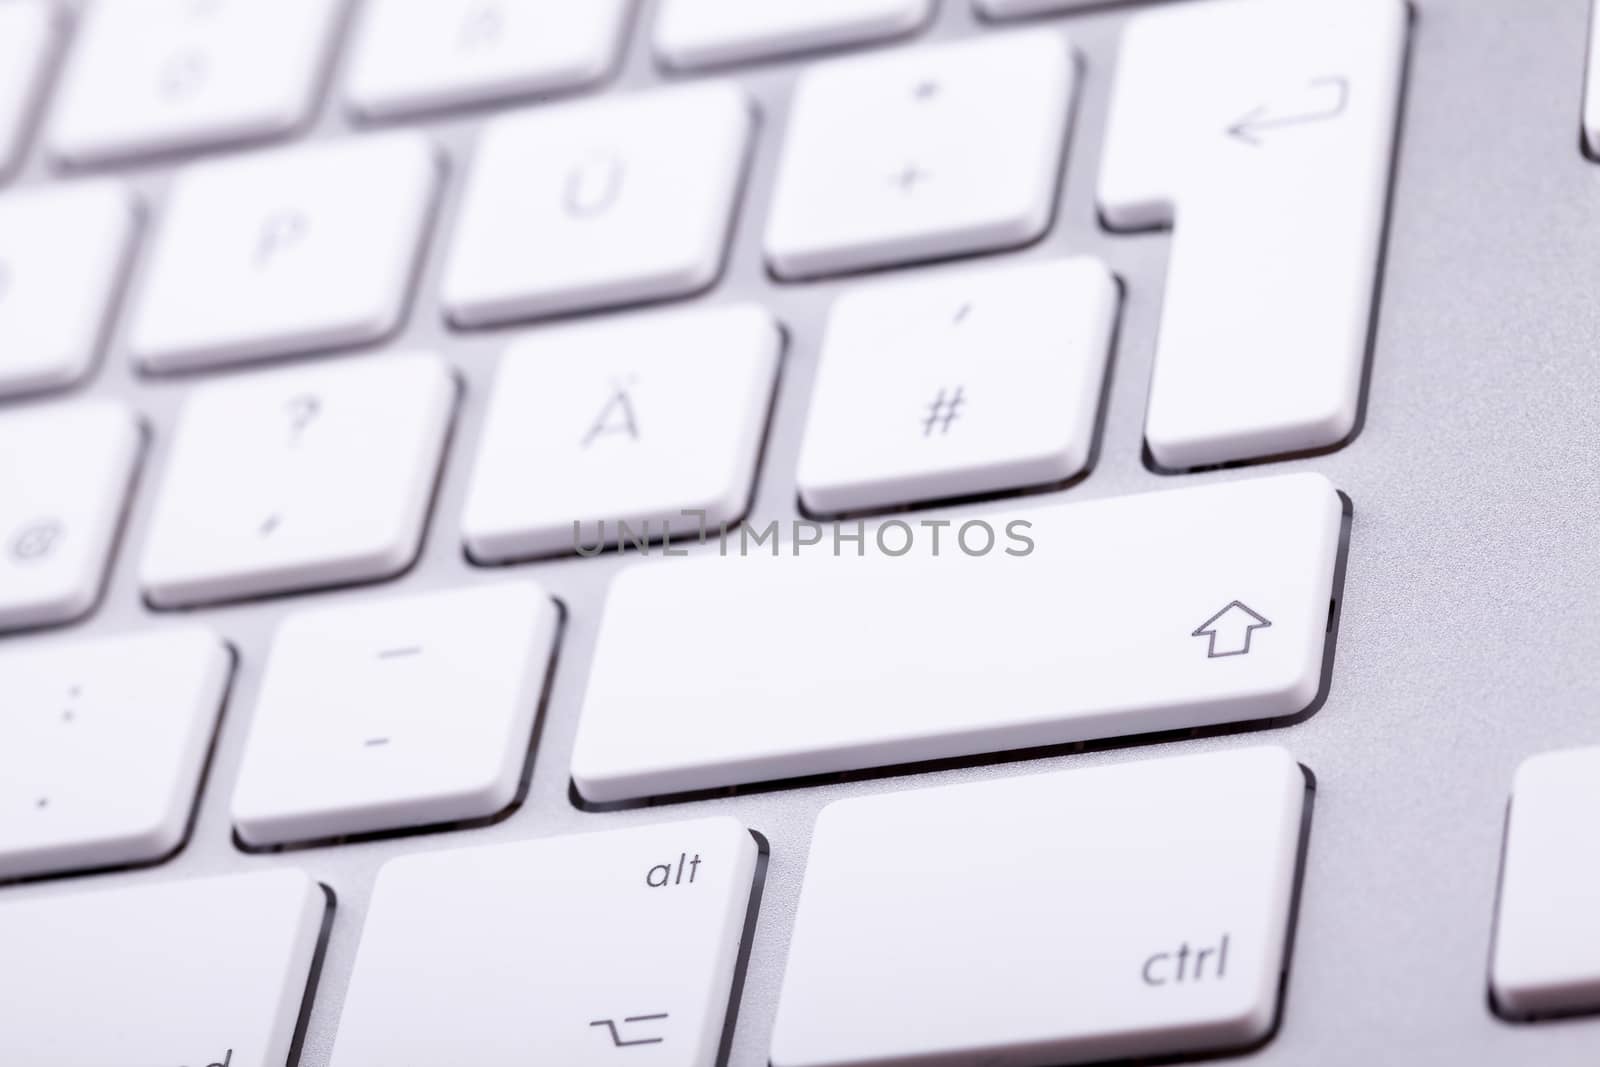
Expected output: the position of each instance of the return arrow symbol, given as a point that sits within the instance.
(1229, 630)
(1334, 91)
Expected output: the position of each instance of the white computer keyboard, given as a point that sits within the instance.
(364, 368)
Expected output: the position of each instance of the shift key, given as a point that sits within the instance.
(1128, 615)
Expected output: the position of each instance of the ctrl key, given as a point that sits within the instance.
(595, 949)
(1073, 917)
(178, 974)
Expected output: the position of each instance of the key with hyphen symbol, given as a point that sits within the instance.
(945, 409)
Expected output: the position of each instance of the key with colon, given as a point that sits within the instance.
(210, 972)
(1146, 911)
(1188, 608)
(1262, 133)
(103, 743)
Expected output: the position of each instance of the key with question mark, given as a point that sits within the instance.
(303, 410)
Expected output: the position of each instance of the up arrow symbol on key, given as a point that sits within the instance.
(1229, 630)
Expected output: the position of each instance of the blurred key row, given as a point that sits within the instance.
(1193, 608)
(887, 159)
(631, 940)
(180, 75)
(620, 201)
(619, 432)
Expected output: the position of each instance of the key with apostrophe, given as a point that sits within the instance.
(958, 383)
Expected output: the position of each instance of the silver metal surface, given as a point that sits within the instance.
(1470, 624)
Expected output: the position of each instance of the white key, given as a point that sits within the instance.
(298, 479)
(919, 153)
(637, 421)
(958, 384)
(1262, 131)
(63, 250)
(1165, 611)
(587, 205)
(102, 744)
(703, 33)
(395, 713)
(1547, 939)
(63, 486)
(293, 250)
(1082, 916)
(593, 949)
(412, 57)
(209, 972)
(1591, 89)
(27, 41)
(1013, 9)
(162, 75)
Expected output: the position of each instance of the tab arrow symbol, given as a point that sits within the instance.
(1333, 92)
(1228, 632)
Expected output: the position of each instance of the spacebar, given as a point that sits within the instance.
(1192, 607)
